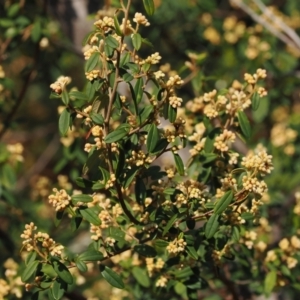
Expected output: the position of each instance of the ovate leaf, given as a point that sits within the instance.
(92, 62)
(170, 224)
(145, 250)
(30, 257)
(81, 198)
(222, 203)
(179, 164)
(117, 26)
(97, 118)
(244, 124)
(64, 121)
(270, 282)
(141, 276)
(255, 101)
(111, 42)
(29, 270)
(62, 271)
(90, 215)
(136, 40)
(112, 277)
(65, 97)
(149, 7)
(152, 138)
(82, 267)
(212, 226)
(117, 134)
(91, 255)
(58, 289)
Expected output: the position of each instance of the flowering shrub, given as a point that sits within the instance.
(165, 197)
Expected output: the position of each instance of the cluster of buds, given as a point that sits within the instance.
(40, 241)
(176, 246)
(59, 85)
(139, 158)
(154, 265)
(60, 200)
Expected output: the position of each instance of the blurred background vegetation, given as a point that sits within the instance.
(39, 41)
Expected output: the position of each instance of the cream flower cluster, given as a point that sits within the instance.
(176, 246)
(258, 161)
(138, 158)
(105, 24)
(33, 240)
(224, 140)
(140, 19)
(60, 84)
(153, 265)
(60, 200)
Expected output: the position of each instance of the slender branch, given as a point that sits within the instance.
(264, 23)
(21, 96)
(284, 27)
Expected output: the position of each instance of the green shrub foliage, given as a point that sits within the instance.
(163, 195)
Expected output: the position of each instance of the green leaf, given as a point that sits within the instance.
(244, 124)
(149, 7)
(58, 289)
(64, 122)
(6, 23)
(140, 190)
(152, 138)
(62, 271)
(141, 276)
(223, 203)
(206, 158)
(78, 96)
(65, 97)
(130, 175)
(36, 31)
(270, 282)
(180, 289)
(13, 10)
(81, 198)
(90, 91)
(29, 270)
(58, 217)
(48, 270)
(117, 234)
(235, 233)
(172, 114)
(117, 26)
(170, 224)
(112, 277)
(145, 113)
(97, 118)
(136, 40)
(30, 257)
(192, 252)
(82, 267)
(255, 101)
(145, 250)
(161, 243)
(138, 90)
(91, 255)
(92, 62)
(117, 134)
(211, 226)
(90, 215)
(7, 176)
(111, 42)
(179, 164)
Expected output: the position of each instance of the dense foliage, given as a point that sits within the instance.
(161, 182)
